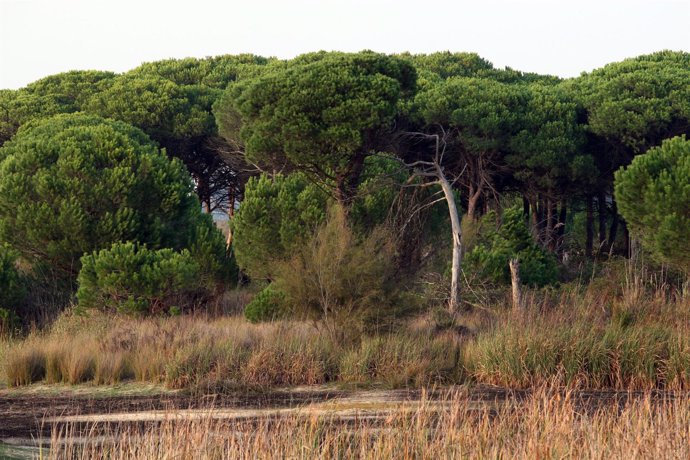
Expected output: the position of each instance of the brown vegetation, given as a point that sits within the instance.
(547, 424)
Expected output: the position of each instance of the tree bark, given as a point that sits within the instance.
(454, 302)
(514, 265)
(613, 231)
(525, 208)
(472, 201)
(601, 201)
(590, 226)
(560, 233)
(550, 234)
(541, 220)
(231, 215)
(348, 181)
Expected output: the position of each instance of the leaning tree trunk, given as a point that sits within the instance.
(454, 303)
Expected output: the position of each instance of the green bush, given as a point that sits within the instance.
(134, 279)
(267, 305)
(512, 239)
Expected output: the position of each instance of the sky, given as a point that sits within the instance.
(558, 37)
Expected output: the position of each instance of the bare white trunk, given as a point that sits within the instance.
(515, 281)
(454, 303)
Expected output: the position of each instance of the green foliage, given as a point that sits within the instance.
(634, 104)
(276, 216)
(379, 187)
(19, 107)
(512, 239)
(72, 89)
(323, 112)
(653, 196)
(60, 93)
(130, 278)
(160, 107)
(279, 214)
(485, 111)
(546, 152)
(446, 64)
(267, 305)
(73, 184)
(215, 72)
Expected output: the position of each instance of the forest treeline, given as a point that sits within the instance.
(337, 172)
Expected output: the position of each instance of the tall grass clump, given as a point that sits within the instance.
(25, 364)
(582, 355)
(397, 360)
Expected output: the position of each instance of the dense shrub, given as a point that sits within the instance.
(134, 279)
(267, 305)
(512, 239)
(340, 279)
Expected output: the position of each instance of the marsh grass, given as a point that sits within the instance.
(548, 423)
(25, 364)
(633, 335)
(204, 354)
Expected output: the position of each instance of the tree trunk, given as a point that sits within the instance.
(454, 303)
(590, 226)
(613, 231)
(601, 201)
(560, 232)
(534, 219)
(472, 201)
(550, 236)
(231, 215)
(348, 181)
(515, 283)
(203, 193)
(525, 208)
(541, 220)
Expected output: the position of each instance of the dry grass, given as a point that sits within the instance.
(625, 330)
(25, 364)
(5, 345)
(548, 424)
(206, 354)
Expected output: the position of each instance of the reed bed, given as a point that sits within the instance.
(549, 423)
(209, 355)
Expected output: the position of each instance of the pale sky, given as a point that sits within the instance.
(560, 37)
